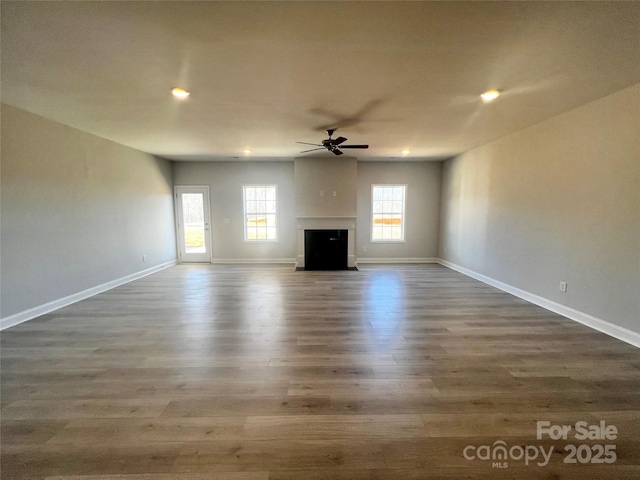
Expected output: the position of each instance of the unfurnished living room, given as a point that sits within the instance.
(320, 240)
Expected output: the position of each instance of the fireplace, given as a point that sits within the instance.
(331, 240)
(325, 249)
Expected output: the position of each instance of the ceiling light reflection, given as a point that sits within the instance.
(179, 92)
(490, 96)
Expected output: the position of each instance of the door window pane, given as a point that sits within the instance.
(193, 218)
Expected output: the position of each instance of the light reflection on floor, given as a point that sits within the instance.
(245, 311)
(199, 301)
(264, 303)
(384, 302)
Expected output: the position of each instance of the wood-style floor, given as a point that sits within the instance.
(255, 373)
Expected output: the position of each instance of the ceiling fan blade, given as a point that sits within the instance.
(339, 140)
(312, 150)
(305, 143)
(336, 151)
(354, 146)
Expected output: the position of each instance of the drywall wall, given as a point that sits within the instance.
(225, 181)
(77, 211)
(422, 208)
(556, 202)
(299, 185)
(316, 180)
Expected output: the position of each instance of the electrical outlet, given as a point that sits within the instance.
(144, 258)
(563, 286)
(335, 193)
(322, 193)
(364, 249)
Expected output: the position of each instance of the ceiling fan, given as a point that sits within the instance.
(332, 144)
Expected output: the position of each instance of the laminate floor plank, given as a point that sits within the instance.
(333, 360)
(229, 405)
(148, 430)
(448, 452)
(451, 369)
(499, 424)
(206, 361)
(38, 461)
(244, 455)
(140, 389)
(257, 372)
(461, 473)
(606, 370)
(372, 387)
(168, 374)
(170, 476)
(333, 427)
(88, 408)
(300, 373)
(31, 431)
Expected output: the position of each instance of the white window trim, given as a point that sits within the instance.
(404, 214)
(244, 214)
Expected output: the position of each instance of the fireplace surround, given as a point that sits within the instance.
(326, 223)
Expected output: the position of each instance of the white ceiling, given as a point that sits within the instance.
(265, 74)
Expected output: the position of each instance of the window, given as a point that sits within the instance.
(260, 213)
(387, 208)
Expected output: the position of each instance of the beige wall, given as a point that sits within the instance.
(77, 211)
(558, 201)
(299, 185)
(422, 208)
(326, 174)
(225, 181)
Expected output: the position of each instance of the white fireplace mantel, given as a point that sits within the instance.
(327, 223)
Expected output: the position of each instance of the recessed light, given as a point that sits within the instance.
(490, 96)
(246, 151)
(406, 152)
(179, 92)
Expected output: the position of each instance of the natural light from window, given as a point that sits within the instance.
(260, 213)
(387, 207)
(194, 227)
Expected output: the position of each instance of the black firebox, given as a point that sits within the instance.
(325, 249)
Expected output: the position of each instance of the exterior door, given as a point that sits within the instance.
(193, 220)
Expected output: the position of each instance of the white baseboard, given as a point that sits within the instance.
(49, 307)
(253, 261)
(621, 333)
(373, 261)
